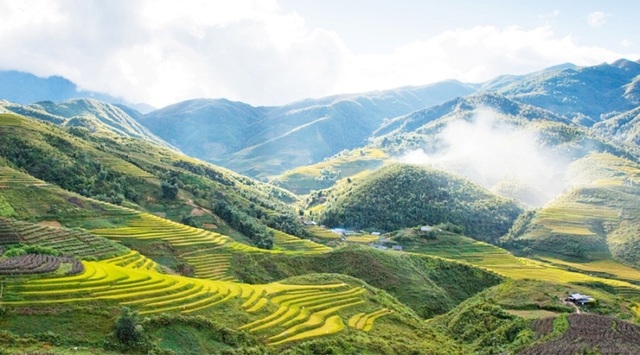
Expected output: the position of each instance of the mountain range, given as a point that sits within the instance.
(264, 142)
(444, 218)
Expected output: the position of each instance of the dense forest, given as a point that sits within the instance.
(400, 196)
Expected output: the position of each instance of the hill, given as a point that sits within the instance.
(302, 180)
(265, 141)
(96, 117)
(624, 127)
(586, 95)
(400, 196)
(420, 282)
(576, 333)
(135, 174)
(595, 219)
(25, 88)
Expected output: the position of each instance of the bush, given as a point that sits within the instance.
(128, 331)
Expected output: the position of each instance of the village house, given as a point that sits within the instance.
(580, 299)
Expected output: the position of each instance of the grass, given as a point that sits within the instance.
(532, 314)
(9, 120)
(303, 179)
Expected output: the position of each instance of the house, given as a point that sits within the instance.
(397, 247)
(378, 246)
(375, 233)
(426, 229)
(580, 299)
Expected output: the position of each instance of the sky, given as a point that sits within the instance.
(270, 52)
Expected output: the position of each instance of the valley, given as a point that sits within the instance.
(450, 218)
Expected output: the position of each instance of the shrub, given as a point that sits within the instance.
(128, 331)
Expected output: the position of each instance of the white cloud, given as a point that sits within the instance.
(548, 17)
(597, 19)
(626, 43)
(160, 52)
(495, 155)
(474, 54)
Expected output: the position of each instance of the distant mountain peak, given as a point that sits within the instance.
(26, 88)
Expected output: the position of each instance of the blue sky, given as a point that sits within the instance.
(268, 52)
(379, 25)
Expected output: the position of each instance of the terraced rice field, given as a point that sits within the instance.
(148, 226)
(323, 233)
(532, 314)
(68, 241)
(7, 234)
(364, 239)
(364, 321)
(211, 266)
(611, 267)
(134, 260)
(303, 311)
(288, 242)
(570, 217)
(11, 178)
(304, 314)
(504, 263)
(123, 166)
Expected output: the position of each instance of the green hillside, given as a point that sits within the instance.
(112, 243)
(596, 219)
(89, 115)
(136, 174)
(400, 196)
(303, 180)
(419, 282)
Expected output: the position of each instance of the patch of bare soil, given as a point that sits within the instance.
(76, 201)
(50, 224)
(197, 212)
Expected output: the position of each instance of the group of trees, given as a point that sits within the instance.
(71, 168)
(404, 196)
(244, 223)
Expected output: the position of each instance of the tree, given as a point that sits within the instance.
(128, 332)
(169, 191)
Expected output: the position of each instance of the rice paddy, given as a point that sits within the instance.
(288, 242)
(500, 261)
(364, 321)
(73, 242)
(303, 311)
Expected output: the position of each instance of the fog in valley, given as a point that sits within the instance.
(502, 157)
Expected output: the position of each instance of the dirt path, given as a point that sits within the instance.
(574, 306)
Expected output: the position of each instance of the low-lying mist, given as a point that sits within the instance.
(499, 156)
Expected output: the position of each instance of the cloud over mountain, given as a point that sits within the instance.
(161, 52)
